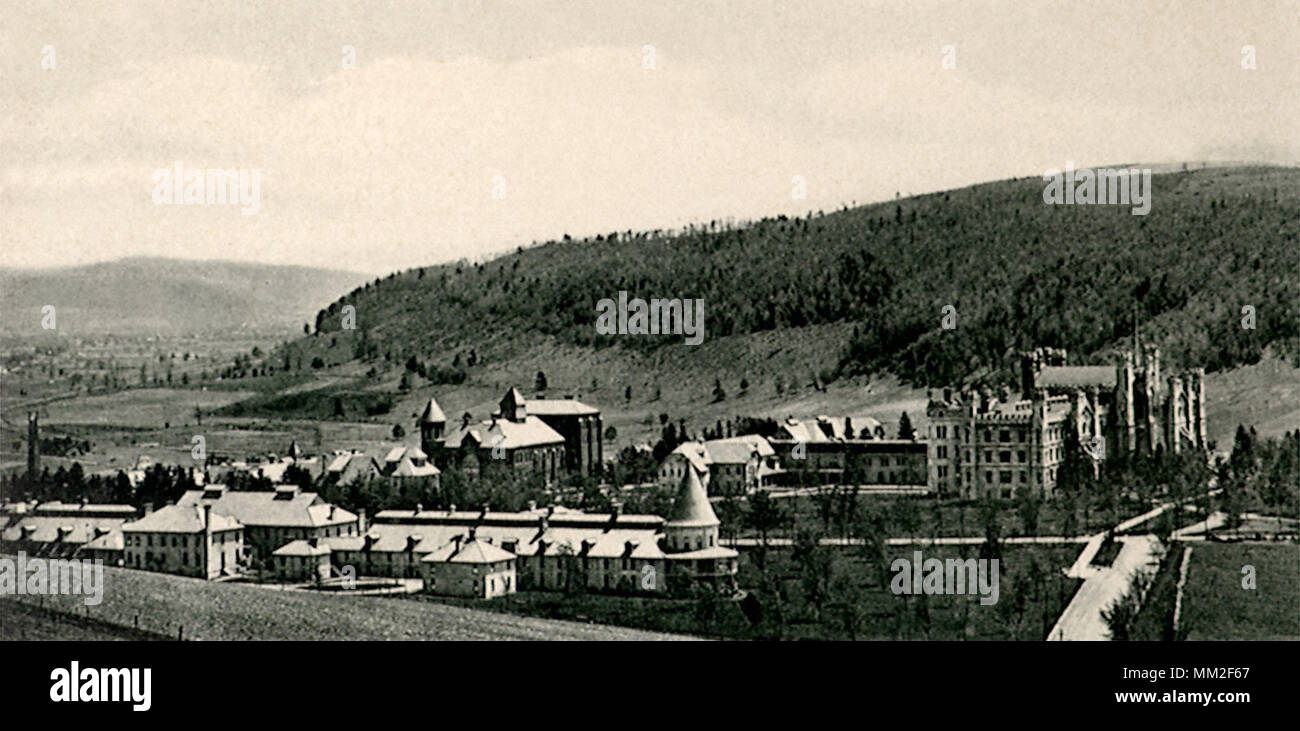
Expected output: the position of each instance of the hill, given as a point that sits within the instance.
(166, 296)
(876, 280)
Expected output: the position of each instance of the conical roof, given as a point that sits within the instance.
(691, 506)
(432, 414)
(293, 449)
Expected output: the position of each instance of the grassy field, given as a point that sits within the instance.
(1217, 607)
(233, 612)
(20, 621)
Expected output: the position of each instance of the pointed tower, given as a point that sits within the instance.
(294, 452)
(432, 425)
(692, 525)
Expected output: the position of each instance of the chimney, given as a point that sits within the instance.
(27, 532)
(543, 524)
(313, 541)
(587, 545)
(419, 508)
(456, 540)
(532, 505)
(947, 395)
(472, 533)
(451, 508)
(412, 541)
(369, 541)
(332, 509)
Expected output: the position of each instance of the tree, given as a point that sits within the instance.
(816, 565)
(398, 431)
(1027, 506)
(718, 393)
(539, 383)
(610, 433)
(764, 516)
(905, 430)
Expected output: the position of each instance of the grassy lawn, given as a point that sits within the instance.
(234, 612)
(1216, 607)
(19, 621)
(1155, 621)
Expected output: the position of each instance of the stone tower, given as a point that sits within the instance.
(433, 428)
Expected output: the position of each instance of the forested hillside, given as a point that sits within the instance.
(1017, 272)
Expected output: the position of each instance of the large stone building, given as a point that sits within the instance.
(512, 438)
(189, 540)
(981, 444)
(270, 519)
(732, 466)
(523, 432)
(827, 451)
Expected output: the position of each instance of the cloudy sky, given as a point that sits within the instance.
(467, 128)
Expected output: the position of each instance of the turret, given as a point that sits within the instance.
(432, 426)
(692, 525)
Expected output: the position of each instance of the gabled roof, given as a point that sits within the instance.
(695, 454)
(1076, 376)
(560, 407)
(530, 432)
(432, 414)
(110, 541)
(88, 509)
(475, 551)
(180, 519)
(691, 506)
(803, 431)
(302, 547)
(301, 510)
(738, 450)
(408, 468)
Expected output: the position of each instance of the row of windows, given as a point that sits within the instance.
(177, 541)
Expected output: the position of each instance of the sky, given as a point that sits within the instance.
(388, 135)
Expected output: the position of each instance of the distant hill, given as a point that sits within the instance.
(167, 296)
(1017, 272)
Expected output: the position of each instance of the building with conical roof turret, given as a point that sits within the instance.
(433, 427)
(690, 540)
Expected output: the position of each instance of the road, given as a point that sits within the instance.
(1082, 619)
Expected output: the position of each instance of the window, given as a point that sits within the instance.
(1020, 456)
(1004, 436)
(1004, 456)
(988, 477)
(1005, 477)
